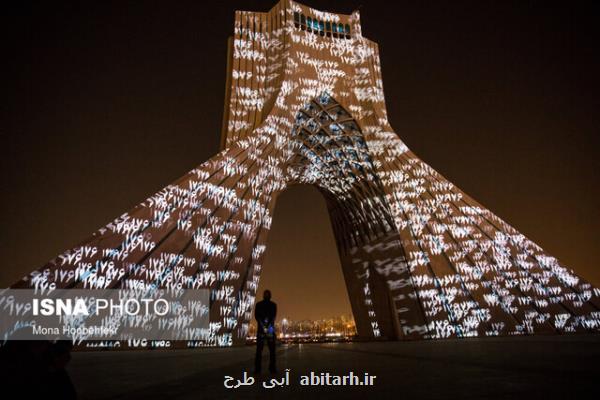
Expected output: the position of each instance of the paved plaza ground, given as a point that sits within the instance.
(538, 367)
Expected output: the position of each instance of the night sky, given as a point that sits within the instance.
(106, 103)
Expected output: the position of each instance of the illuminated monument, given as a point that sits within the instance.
(305, 105)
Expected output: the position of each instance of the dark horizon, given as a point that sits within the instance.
(109, 103)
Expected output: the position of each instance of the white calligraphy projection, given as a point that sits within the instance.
(305, 104)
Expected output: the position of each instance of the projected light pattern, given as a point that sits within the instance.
(420, 258)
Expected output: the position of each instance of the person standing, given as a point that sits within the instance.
(265, 313)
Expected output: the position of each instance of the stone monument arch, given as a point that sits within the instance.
(305, 104)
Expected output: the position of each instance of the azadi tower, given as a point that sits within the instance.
(305, 105)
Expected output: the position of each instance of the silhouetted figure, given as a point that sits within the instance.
(36, 369)
(264, 313)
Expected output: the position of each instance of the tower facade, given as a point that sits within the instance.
(305, 105)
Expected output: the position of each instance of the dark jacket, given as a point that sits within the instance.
(265, 309)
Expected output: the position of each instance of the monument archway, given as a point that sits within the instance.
(301, 265)
(330, 152)
(305, 103)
